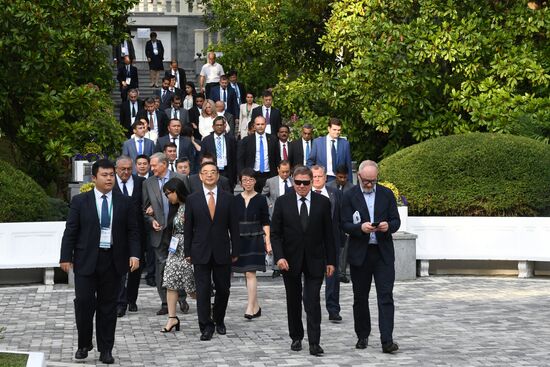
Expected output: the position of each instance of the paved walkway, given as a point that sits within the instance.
(440, 321)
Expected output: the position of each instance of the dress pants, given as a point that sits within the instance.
(221, 275)
(343, 265)
(97, 293)
(311, 298)
(150, 258)
(332, 290)
(384, 277)
(261, 178)
(129, 287)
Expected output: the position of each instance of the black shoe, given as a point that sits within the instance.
(151, 282)
(82, 353)
(132, 307)
(315, 350)
(390, 347)
(106, 357)
(335, 317)
(276, 273)
(257, 314)
(220, 329)
(296, 345)
(206, 335)
(120, 311)
(343, 279)
(361, 343)
(163, 310)
(184, 306)
(176, 325)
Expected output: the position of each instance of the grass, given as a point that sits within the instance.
(13, 359)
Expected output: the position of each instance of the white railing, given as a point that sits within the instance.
(169, 7)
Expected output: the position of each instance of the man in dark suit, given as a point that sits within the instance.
(370, 216)
(300, 149)
(194, 114)
(237, 87)
(127, 77)
(259, 152)
(283, 145)
(158, 121)
(224, 147)
(165, 94)
(125, 48)
(156, 208)
(303, 243)
(178, 74)
(130, 185)
(195, 182)
(138, 144)
(211, 245)
(178, 112)
(184, 144)
(100, 243)
(227, 95)
(331, 150)
(129, 110)
(229, 118)
(271, 114)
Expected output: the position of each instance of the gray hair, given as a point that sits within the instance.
(161, 157)
(367, 163)
(317, 167)
(123, 158)
(307, 126)
(133, 90)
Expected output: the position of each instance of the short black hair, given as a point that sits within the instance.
(166, 78)
(137, 123)
(200, 95)
(342, 169)
(248, 172)
(204, 164)
(334, 121)
(232, 72)
(169, 145)
(176, 185)
(211, 157)
(224, 77)
(143, 156)
(267, 93)
(153, 34)
(102, 163)
(283, 163)
(285, 126)
(182, 160)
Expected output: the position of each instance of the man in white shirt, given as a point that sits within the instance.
(301, 149)
(138, 144)
(284, 145)
(210, 74)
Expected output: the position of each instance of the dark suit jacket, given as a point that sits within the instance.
(345, 189)
(137, 200)
(161, 118)
(129, 149)
(80, 243)
(186, 148)
(232, 104)
(315, 246)
(231, 122)
(246, 153)
(122, 74)
(182, 76)
(296, 155)
(208, 145)
(385, 210)
(165, 102)
(183, 116)
(131, 52)
(275, 118)
(195, 183)
(335, 196)
(242, 92)
(206, 238)
(318, 154)
(126, 115)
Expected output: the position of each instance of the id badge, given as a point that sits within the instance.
(155, 51)
(124, 51)
(222, 162)
(173, 245)
(128, 81)
(105, 238)
(356, 218)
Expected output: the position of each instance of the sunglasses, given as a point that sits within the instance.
(302, 182)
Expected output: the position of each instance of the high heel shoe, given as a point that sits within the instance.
(257, 314)
(176, 325)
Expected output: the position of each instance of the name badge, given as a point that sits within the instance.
(105, 237)
(128, 81)
(124, 51)
(222, 162)
(173, 245)
(155, 51)
(356, 218)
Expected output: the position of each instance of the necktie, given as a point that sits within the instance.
(172, 166)
(318, 191)
(262, 163)
(128, 70)
(124, 189)
(307, 151)
(174, 140)
(140, 146)
(105, 219)
(334, 156)
(224, 98)
(163, 94)
(133, 110)
(165, 203)
(151, 121)
(303, 214)
(285, 153)
(287, 189)
(267, 116)
(219, 152)
(211, 204)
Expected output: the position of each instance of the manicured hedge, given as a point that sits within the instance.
(475, 174)
(21, 198)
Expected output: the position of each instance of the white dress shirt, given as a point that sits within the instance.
(329, 154)
(212, 72)
(99, 203)
(129, 185)
(207, 195)
(282, 185)
(266, 153)
(308, 201)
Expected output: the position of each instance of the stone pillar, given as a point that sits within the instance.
(526, 269)
(405, 255)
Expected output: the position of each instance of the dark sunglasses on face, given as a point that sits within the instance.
(302, 182)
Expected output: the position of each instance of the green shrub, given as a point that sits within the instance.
(58, 210)
(21, 198)
(476, 174)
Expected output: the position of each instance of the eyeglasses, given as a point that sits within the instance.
(167, 193)
(124, 169)
(302, 182)
(248, 179)
(365, 181)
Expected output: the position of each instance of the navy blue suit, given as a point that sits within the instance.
(318, 154)
(232, 105)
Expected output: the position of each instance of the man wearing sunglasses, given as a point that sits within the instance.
(369, 216)
(303, 243)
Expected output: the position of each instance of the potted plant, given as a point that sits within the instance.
(82, 162)
(402, 204)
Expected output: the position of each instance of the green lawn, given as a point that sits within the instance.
(13, 360)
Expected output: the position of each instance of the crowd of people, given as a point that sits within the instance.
(167, 207)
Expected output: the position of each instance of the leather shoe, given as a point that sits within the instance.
(206, 335)
(335, 317)
(220, 329)
(361, 343)
(163, 310)
(184, 306)
(132, 307)
(151, 282)
(276, 274)
(390, 347)
(296, 345)
(120, 311)
(106, 357)
(315, 350)
(343, 279)
(82, 353)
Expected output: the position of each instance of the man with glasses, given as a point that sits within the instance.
(303, 243)
(369, 216)
(224, 147)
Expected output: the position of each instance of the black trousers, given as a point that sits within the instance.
(332, 289)
(97, 294)
(150, 259)
(384, 277)
(221, 275)
(261, 178)
(312, 305)
(129, 287)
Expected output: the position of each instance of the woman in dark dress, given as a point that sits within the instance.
(154, 50)
(254, 231)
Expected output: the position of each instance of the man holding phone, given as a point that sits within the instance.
(370, 216)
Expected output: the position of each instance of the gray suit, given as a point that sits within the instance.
(153, 196)
(346, 187)
(183, 116)
(129, 149)
(271, 191)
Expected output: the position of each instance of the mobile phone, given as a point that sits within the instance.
(375, 224)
